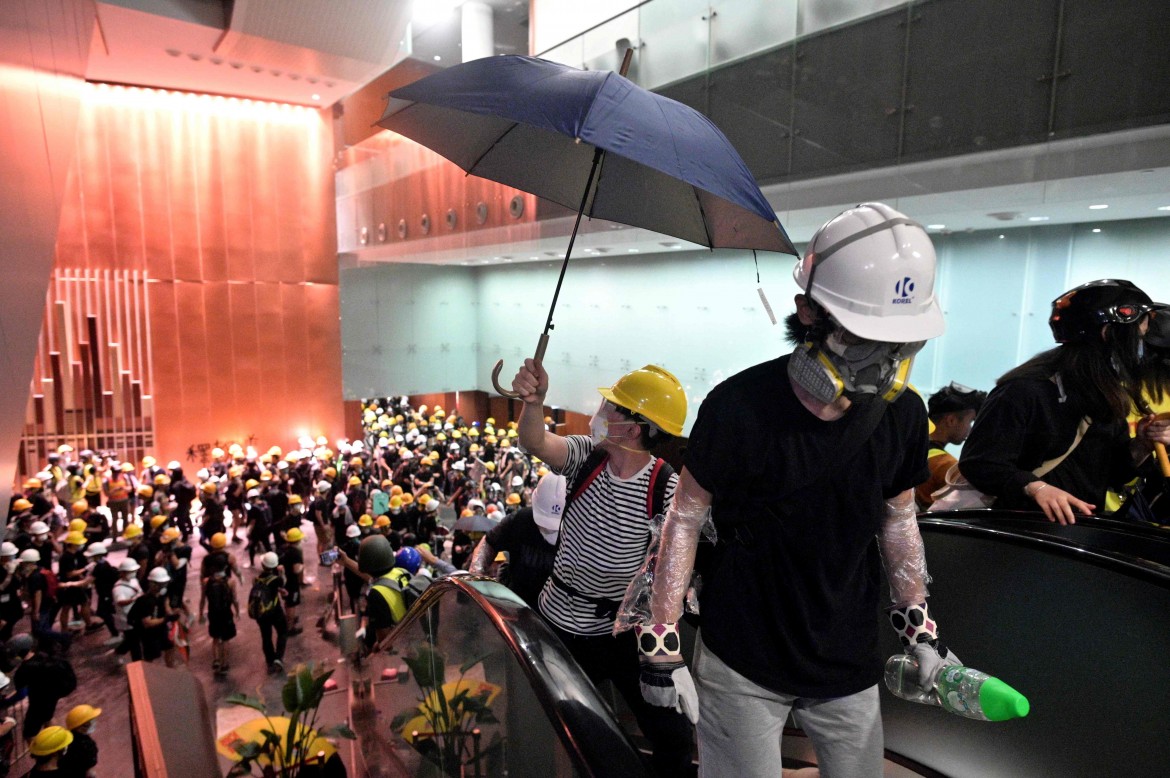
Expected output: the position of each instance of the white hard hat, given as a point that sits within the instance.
(203, 473)
(38, 528)
(159, 575)
(323, 487)
(282, 465)
(352, 531)
(96, 549)
(253, 493)
(548, 502)
(270, 560)
(8, 549)
(340, 499)
(30, 555)
(475, 503)
(517, 480)
(432, 505)
(459, 465)
(128, 565)
(174, 465)
(873, 270)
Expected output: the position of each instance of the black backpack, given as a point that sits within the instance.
(261, 601)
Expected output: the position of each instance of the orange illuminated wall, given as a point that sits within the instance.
(225, 209)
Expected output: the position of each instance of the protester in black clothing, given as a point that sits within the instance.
(354, 581)
(11, 606)
(47, 679)
(183, 493)
(293, 563)
(42, 604)
(277, 500)
(1054, 432)
(271, 619)
(81, 757)
(530, 538)
(259, 525)
(150, 617)
(104, 577)
(176, 559)
(213, 514)
(219, 592)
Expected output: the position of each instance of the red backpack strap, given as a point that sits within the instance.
(658, 462)
(601, 458)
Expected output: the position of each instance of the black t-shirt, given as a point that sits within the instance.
(790, 597)
(105, 576)
(293, 556)
(67, 566)
(530, 560)
(1023, 424)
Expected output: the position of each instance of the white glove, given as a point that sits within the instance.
(669, 685)
(932, 659)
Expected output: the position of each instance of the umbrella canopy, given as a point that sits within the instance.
(534, 125)
(475, 523)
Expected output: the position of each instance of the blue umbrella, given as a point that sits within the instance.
(592, 141)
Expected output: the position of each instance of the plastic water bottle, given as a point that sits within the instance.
(963, 691)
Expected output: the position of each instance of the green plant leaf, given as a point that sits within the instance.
(341, 730)
(400, 720)
(255, 703)
(249, 750)
(473, 661)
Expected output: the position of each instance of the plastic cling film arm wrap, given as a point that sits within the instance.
(481, 558)
(902, 552)
(657, 593)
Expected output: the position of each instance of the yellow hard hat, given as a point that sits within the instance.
(512, 499)
(396, 501)
(276, 451)
(456, 434)
(157, 521)
(64, 448)
(407, 498)
(251, 483)
(266, 459)
(354, 481)
(473, 448)
(387, 482)
(149, 461)
(146, 491)
(295, 499)
(473, 432)
(235, 471)
(382, 521)
(512, 433)
(170, 535)
(366, 520)
(395, 490)
(80, 507)
(217, 452)
(424, 499)
(33, 483)
(355, 462)
(50, 740)
(218, 540)
(491, 420)
(209, 488)
(541, 471)
(491, 466)
(127, 467)
(74, 539)
(161, 480)
(77, 525)
(331, 472)
(440, 436)
(81, 714)
(467, 512)
(132, 531)
(265, 475)
(294, 535)
(654, 394)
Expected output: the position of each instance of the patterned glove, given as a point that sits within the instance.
(666, 684)
(919, 635)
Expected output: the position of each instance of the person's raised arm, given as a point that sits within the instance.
(531, 383)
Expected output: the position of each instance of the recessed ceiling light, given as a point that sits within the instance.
(1098, 207)
(1037, 218)
(1096, 229)
(1001, 236)
(438, 58)
(534, 257)
(936, 226)
(316, 97)
(1164, 207)
(633, 251)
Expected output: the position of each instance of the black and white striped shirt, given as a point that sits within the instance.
(603, 541)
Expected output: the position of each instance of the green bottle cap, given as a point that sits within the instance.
(1001, 702)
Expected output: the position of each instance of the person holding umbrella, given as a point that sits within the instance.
(791, 588)
(605, 528)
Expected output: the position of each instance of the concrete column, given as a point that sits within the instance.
(478, 34)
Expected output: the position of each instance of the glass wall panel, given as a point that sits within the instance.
(605, 46)
(1114, 66)
(817, 15)
(571, 53)
(675, 36)
(751, 102)
(740, 28)
(987, 92)
(848, 93)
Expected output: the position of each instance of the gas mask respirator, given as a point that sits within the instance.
(832, 367)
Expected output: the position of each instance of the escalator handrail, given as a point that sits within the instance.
(980, 524)
(550, 698)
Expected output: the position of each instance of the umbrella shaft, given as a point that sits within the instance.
(597, 154)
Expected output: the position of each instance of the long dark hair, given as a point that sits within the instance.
(1102, 377)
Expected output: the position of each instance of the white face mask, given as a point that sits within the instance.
(11, 566)
(163, 590)
(598, 428)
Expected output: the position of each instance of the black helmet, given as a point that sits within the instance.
(1079, 313)
(1159, 333)
(375, 555)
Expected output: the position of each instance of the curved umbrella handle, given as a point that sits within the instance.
(541, 345)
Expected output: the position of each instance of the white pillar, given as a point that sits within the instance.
(479, 38)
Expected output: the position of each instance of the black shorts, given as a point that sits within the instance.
(221, 627)
(154, 642)
(293, 598)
